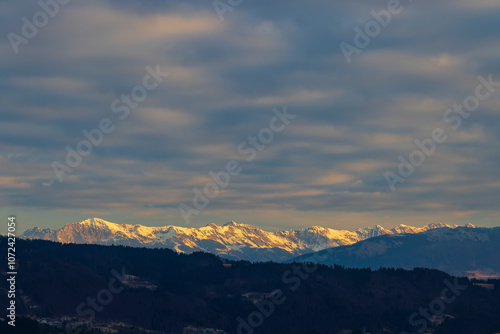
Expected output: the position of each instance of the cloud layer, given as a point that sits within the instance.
(326, 168)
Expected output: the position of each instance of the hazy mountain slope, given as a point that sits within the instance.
(461, 251)
(232, 240)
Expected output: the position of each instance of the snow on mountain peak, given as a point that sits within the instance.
(237, 224)
(316, 228)
(96, 222)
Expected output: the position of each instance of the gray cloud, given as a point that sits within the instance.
(353, 120)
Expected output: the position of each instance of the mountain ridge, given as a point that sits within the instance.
(232, 240)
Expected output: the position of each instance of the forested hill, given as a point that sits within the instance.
(166, 292)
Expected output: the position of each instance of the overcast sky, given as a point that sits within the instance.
(228, 68)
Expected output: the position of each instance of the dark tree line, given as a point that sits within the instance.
(199, 290)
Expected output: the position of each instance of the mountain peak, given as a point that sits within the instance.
(316, 228)
(95, 221)
(440, 225)
(236, 224)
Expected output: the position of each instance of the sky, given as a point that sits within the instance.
(308, 112)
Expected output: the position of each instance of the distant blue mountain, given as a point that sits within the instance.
(463, 251)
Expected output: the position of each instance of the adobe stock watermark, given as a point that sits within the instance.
(293, 278)
(104, 297)
(372, 29)
(454, 116)
(30, 28)
(248, 148)
(223, 6)
(121, 106)
(436, 307)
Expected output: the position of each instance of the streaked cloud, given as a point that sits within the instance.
(326, 168)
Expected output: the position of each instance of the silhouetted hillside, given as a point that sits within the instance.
(168, 291)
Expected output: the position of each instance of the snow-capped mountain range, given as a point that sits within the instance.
(232, 240)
